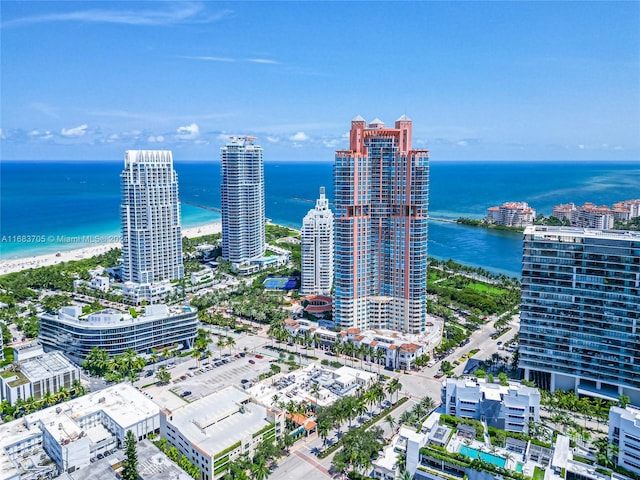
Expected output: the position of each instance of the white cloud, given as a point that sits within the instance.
(272, 139)
(299, 137)
(178, 13)
(45, 109)
(78, 131)
(263, 60)
(581, 147)
(333, 143)
(188, 132)
(463, 143)
(155, 139)
(209, 59)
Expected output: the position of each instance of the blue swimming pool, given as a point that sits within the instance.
(484, 456)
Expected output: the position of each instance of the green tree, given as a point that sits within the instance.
(97, 361)
(259, 470)
(394, 386)
(163, 375)
(446, 367)
(130, 470)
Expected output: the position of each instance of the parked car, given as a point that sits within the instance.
(259, 356)
(186, 393)
(252, 362)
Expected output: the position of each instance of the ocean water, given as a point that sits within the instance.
(55, 206)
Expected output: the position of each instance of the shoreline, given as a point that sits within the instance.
(48, 259)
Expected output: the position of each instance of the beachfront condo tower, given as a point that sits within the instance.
(242, 190)
(580, 312)
(381, 201)
(151, 234)
(317, 249)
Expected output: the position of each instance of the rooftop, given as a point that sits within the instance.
(581, 232)
(219, 420)
(122, 402)
(46, 366)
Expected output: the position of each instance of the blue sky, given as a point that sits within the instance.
(480, 80)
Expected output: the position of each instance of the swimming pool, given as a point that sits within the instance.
(484, 456)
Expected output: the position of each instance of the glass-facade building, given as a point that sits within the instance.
(580, 312)
(76, 334)
(317, 249)
(150, 212)
(242, 201)
(381, 188)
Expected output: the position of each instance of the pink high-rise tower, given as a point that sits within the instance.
(381, 214)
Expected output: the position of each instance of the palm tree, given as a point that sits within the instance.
(406, 418)
(323, 431)
(77, 388)
(62, 394)
(221, 344)
(30, 405)
(196, 354)
(360, 407)
(391, 421)
(427, 403)
(259, 470)
(48, 398)
(380, 355)
(394, 386)
(405, 475)
(338, 348)
(231, 343)
(153, 358)
(315, 391)
(370, 398)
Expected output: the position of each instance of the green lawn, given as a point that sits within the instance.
(538, 474)
(484, 288)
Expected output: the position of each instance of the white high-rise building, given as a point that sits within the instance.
(242, 189)
(151, 233)
(317, 249)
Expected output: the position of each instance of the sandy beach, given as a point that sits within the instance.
(18, 264)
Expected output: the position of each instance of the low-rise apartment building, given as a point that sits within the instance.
(393, 350)
(508, 407)
(215, 430)
(624, 431)
(35, 373)
(68, 436)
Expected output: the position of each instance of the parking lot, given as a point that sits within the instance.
(190, 382)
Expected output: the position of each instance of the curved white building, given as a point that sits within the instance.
(151, 233)
(76, 334)
(317, 249)
(242, 190)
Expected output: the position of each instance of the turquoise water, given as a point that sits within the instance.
(519, 468)
(61, 202)
(487, 457)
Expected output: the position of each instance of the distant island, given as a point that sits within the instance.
(475, 222)
(631, 224)
(515, 216)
